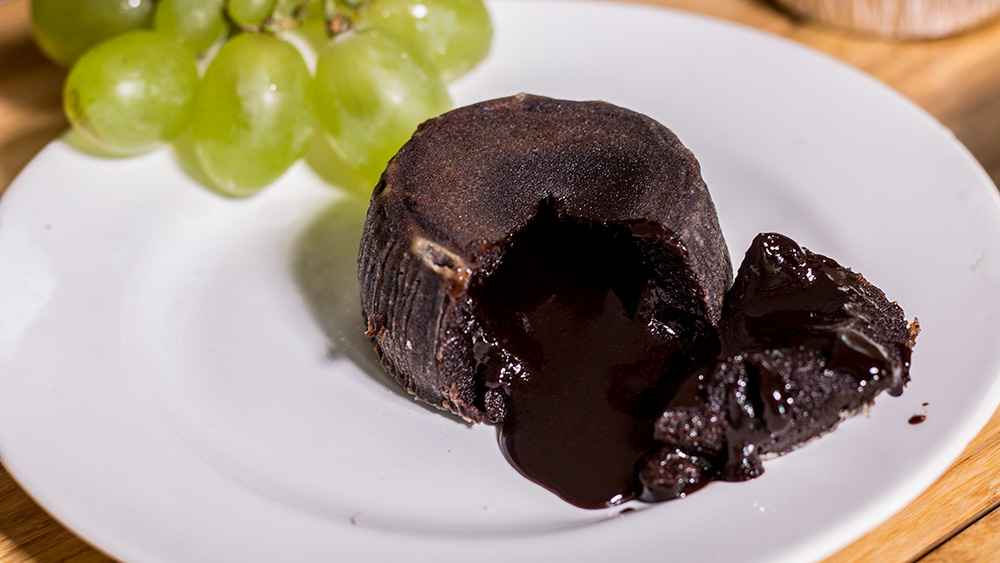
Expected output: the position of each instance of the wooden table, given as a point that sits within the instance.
(957, 80)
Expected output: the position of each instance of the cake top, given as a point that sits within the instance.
(472, 177)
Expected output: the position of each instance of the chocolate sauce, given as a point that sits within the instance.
(917, 418)
(577, 358)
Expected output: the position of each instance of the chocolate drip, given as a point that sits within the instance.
(577, 338)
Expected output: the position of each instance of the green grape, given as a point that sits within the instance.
(452, 35)
(131, 92)
(252, 113)
(249, 13)
(197, 24)
(370, 95)
(65, 29)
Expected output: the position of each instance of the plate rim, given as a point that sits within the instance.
(971, 429)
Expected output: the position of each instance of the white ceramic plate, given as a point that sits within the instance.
(183, 376)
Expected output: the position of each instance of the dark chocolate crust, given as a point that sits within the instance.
(452, 199)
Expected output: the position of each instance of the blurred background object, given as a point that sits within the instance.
(898, 19)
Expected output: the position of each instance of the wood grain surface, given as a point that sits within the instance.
(979, 542)
(956, 79)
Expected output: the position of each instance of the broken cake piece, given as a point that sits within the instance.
(803, 343)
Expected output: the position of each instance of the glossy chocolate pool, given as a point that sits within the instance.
(581, 359)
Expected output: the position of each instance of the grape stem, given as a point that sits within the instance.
(337, 17)
(287, 14)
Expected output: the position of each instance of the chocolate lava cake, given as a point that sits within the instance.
(557, 268)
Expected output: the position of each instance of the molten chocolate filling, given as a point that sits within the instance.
(578, 356)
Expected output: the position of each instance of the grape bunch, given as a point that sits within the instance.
(233, 74)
